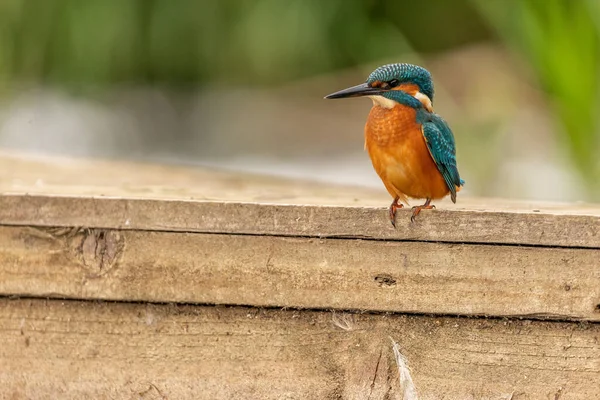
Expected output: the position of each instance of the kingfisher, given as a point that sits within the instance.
(412, 149)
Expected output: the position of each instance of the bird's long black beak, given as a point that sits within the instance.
(355, 91)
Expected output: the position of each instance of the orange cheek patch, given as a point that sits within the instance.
(376, 84)
(409, 88)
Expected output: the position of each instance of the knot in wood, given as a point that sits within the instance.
(385, 280)
(99, 250)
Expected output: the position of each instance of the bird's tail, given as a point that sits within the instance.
(458, 187)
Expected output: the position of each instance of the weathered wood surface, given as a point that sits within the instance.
(147, 197)
(83, 350)
(141, 234)
(415, 277)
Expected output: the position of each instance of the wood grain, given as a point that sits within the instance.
(82, 350)
(412, 277)
(493, 227)
(99, 194)
(155, 237)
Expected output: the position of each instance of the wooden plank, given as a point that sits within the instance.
(66, 177)
(493, 227)
(81, 350)
(82, 177)
(51, 192)
(561, 283)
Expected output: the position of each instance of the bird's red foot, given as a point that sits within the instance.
(393, 207)
(417, 209)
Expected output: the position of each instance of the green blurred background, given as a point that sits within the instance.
(239, 84)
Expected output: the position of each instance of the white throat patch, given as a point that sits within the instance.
(383, 101)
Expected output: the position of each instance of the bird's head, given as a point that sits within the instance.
(394, 83)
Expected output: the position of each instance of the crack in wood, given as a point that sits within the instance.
(375, 374)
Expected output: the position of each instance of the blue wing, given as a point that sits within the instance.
(440, 142)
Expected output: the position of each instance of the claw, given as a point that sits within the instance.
(417, 209)
(393, 207)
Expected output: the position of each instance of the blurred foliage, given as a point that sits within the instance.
(81, 43)
(561, 41)
(73, 42)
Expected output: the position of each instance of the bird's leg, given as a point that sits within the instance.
(417, 209)
(393, 207)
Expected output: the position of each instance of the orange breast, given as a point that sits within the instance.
(400, 156)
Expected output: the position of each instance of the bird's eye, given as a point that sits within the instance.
(394, 83)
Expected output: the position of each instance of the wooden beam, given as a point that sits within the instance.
(97, 350)
(480, 227)
(112, 195)
(414, 277)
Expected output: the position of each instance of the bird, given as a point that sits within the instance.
(412, 148)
